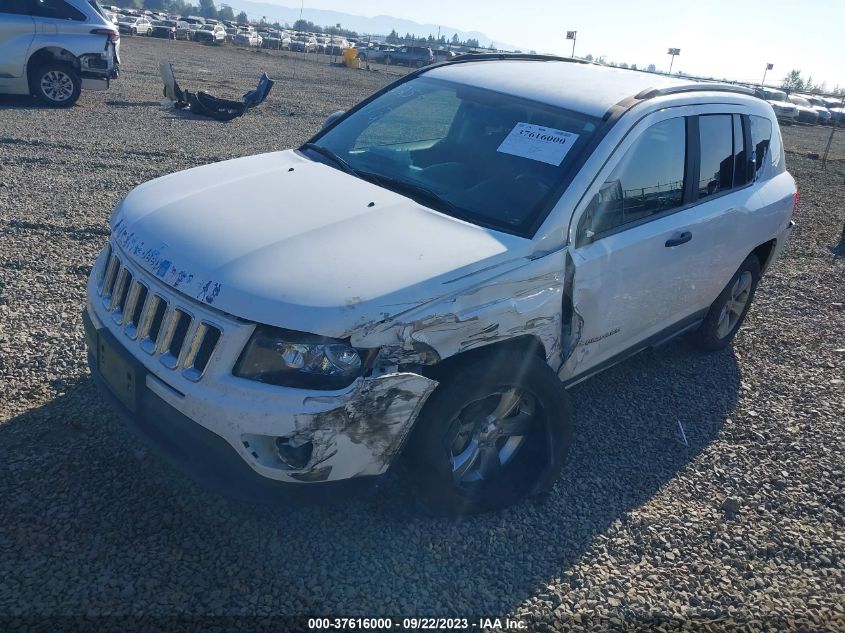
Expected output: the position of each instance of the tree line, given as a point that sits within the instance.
(794, 82)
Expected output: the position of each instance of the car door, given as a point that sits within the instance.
(633, 244)
(17, 30)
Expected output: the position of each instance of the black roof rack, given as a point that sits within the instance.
(650, 93)
(487, 57)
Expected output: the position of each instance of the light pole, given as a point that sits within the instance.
(768, 68)
(673, 52)
(570, 35)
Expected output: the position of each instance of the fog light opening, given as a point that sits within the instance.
(294, 452)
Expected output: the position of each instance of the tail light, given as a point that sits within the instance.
(795, 202)
(113, 35)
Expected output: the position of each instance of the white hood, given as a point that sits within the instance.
(279, 239)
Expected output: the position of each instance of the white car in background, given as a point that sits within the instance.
(135, 25)
(247, 38)
(488, 232)
(807, 113)
(825, 117)
(53, 49)
(784, 110)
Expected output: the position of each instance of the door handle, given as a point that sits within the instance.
(683, 238)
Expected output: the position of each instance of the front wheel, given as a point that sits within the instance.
(57, 85)
(495, 431)
(727, 313)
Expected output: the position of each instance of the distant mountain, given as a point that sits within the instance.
(378, 25)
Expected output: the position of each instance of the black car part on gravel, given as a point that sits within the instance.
(205, 104)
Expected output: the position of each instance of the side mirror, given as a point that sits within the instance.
(334, 116)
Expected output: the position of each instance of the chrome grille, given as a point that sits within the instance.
(169, 332)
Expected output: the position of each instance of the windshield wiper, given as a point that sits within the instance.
(418, 192)
(337, 160)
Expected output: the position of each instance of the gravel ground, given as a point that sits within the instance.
(743, 528)
(803, 139)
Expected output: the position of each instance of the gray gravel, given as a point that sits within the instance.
(742, 528)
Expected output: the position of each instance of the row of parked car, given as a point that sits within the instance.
(803, 108)
(211, 31)
(190, 28)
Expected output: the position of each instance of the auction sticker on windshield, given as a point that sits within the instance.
(544, 144)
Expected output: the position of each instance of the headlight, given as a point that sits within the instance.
(296, 359)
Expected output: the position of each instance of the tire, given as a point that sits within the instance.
(727, 313)
(388, 60)
(134, 31)
(463, 456)
(56, 84)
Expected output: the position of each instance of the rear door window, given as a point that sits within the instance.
(740, 155)
(717, 154)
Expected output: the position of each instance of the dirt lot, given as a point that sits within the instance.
(807, 139)
(634, 533)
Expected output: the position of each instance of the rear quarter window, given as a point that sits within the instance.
(767, 145)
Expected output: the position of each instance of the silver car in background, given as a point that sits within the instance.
(53, 49)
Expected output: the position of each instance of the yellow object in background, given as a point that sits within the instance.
(350, 58)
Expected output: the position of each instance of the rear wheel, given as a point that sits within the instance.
(495, 431)
(727, 313)
(57, 85)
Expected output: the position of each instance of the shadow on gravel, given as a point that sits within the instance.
(838, 250)
(93, 524)
(20, 101)
(132, 104)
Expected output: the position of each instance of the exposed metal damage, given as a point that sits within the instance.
(361, 436)
(523, 301)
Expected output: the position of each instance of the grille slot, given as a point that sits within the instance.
(178, 323)
(101, 276)
(134, 309)
(151, 323)
(202, 347)
(161, 327)
(109, 279)
(120, 294)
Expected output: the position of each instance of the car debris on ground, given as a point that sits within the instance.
(205, 104)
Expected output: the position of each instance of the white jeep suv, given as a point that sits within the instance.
(53, 49)
(430, 271)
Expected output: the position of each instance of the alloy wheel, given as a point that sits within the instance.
(735, 305)
(487, 434)
(57, 85)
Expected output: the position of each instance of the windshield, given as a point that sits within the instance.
(774, 96)
(490, 158)
(800, 101)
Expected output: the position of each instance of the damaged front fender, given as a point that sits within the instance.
(524, 300)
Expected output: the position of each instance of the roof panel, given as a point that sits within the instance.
(586, 88)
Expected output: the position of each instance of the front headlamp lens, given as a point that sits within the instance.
(294, 355)
(296, 359)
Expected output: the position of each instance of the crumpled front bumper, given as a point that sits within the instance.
(220, 441)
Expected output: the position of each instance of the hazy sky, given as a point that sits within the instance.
(723, 38)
